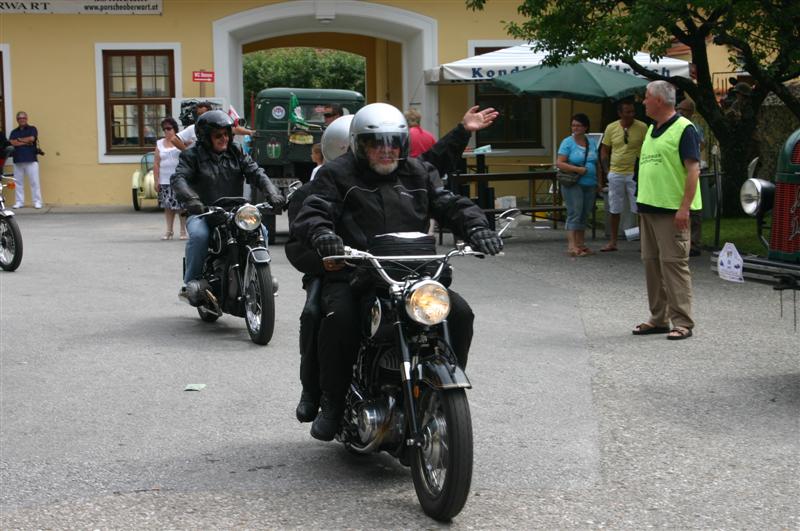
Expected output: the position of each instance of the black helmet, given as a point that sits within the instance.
(212, 120)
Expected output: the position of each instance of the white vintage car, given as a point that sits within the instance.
(143, 184)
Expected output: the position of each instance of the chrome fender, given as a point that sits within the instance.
(439, 374)
(7, 213)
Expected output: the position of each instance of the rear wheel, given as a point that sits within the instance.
(259, 303)
(442, 468)
(136, 197)
(10, 244)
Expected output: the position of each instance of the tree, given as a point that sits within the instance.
(762, 37)
(303, 68)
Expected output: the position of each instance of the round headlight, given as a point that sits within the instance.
(428, 302)
(248, 218)
(756, 195)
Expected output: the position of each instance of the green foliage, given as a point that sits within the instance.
(303, 68)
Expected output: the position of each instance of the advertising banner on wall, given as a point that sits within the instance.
(82, 7)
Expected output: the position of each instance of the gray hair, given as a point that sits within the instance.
(663, 90)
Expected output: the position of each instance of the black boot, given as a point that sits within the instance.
(308, 407)
(329, 419)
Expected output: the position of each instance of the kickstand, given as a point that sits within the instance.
(788, 281)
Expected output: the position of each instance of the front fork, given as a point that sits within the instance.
(416, 438)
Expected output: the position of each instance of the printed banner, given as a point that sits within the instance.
(82, 7)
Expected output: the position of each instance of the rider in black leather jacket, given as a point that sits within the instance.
(212, 168)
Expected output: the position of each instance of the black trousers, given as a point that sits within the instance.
(340, 334)
(310, 319)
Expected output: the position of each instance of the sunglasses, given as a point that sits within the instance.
(220, 134)
(625, 135)
(167, 129)
(329, 115)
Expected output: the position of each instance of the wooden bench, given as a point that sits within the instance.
(485, 198)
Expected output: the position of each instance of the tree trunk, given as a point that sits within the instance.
(738, 146)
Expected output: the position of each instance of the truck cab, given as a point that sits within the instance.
(282, 145)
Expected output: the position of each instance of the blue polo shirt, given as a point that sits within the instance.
(24, 153)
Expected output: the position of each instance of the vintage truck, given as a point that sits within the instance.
(282, 143)
(758, 197)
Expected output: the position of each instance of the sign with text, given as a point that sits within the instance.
(83, 7)
(730, 264)
(201, 76)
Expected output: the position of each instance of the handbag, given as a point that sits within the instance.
(571, 178)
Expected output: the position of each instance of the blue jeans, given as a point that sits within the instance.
(579, 200)
(197, 246)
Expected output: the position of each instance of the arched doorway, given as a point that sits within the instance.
(416, 34)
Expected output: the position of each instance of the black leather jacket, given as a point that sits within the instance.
(202, 174)
(444, 156)
(356, 203)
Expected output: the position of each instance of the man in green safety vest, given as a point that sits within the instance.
(669, 169)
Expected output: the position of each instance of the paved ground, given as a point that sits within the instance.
(578, 424)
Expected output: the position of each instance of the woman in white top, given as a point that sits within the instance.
(165, 162)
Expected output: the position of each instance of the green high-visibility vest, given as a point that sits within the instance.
(662, 175)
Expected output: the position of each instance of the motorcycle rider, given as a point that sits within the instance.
(336, 142)
(376, 189)
(213, 167)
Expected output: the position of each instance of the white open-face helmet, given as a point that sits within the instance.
(336, 138)
(378, 124)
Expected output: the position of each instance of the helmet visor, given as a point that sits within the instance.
(383, 140)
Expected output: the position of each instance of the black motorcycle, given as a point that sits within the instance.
(237, 278)
(10, 235)
(407, 396)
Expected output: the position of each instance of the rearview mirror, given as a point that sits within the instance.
(509, 217)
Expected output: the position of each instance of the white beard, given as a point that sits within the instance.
(383, 169)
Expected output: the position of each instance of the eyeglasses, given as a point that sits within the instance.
(165, 129)
(329, 115)
(625, 135)
(220, 134)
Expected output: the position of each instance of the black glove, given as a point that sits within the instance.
(195, 207)
(218, 217)
(486, 241)
(278, 202)
(327, 243)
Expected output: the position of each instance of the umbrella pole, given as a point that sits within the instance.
(553, 107)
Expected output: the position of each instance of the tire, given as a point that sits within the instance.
(137, 204)
(10, 244)
(259, 303)
(442, 468)
(206, 315)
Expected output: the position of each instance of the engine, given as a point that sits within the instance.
(380, 422)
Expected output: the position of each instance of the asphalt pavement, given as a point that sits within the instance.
(578, 424)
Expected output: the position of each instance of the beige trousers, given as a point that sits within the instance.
(665, 254)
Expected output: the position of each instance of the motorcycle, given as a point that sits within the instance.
(408, 394)
(237, 278)
(10, 235)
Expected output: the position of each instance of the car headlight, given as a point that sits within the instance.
(756, 196)
(248, 218)
(428, 302)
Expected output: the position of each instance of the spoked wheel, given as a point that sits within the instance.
(259, 303)
(137, 196)
(10, 244)
(442, 468)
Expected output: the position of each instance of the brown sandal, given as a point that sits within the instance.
(679, 332)
(645, 329)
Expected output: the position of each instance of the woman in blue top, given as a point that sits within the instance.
(579, 198)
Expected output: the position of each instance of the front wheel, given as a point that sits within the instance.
(442, 468)
(259, 303)
(136, 197)
(10, 244)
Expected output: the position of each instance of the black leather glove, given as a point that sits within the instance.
(278, 202)
(218, 217)
(195, 207)
(327, 243)
(486, 241)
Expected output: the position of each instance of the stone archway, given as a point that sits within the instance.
(416, 33)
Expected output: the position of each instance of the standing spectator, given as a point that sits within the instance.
(622, 141)
(164, 164)
(316, 156)
(332, 112)
(578, 153)
(669, 168)
(686, 109)
(420, 139)
(25, 140)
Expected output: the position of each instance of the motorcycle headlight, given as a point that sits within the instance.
(427, 302)
(248, 217)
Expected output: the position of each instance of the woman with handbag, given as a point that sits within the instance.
(577, 177)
